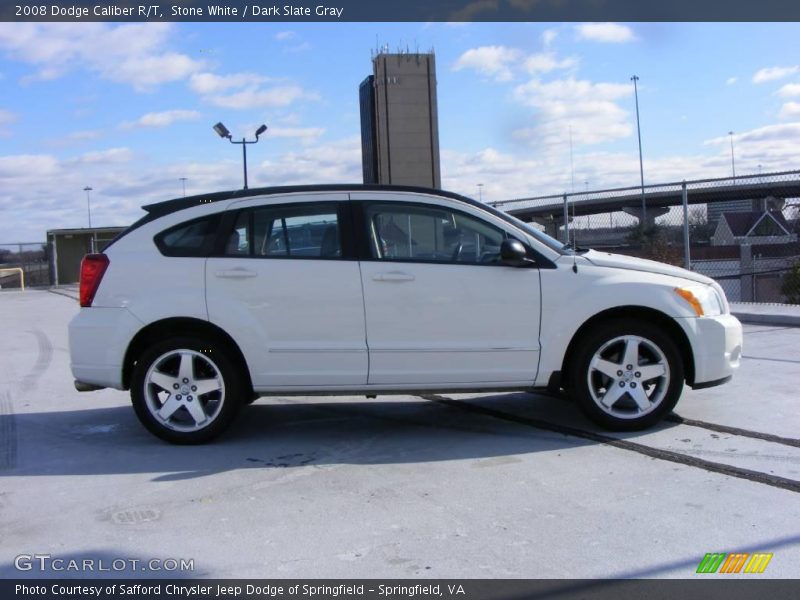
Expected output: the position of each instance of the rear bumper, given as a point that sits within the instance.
(717, 348)
(98, 340)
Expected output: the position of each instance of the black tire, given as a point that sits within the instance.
(212, 365)
(588, 386)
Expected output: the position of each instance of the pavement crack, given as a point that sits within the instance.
(756, 435)
(44, 356)
(667, 455)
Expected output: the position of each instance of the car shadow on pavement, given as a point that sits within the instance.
(286, 433)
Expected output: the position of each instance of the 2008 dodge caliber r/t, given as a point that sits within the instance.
(208, 302)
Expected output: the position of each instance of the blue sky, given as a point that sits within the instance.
(128, 109)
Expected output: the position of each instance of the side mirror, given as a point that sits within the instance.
(513, 253)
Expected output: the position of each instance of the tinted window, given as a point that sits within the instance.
(297, 231)
(193, 238)
(429, 233)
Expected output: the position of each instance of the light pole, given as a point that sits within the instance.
(480, 192)
(733, 161)
(183, 182)
(635, 79)
(223, 132)
(87, 189)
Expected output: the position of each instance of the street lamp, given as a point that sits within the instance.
(183, 182)
(480, 192)
(733, 161)
(87, 189)
(223, 132)
(635, 79)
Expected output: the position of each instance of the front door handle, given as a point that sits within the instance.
(237, 273)
(393, 276)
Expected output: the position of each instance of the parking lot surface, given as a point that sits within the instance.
(452, 486)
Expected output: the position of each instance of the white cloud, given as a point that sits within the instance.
(291, 36)
(790, 90)
(500, 62)
(335, 162)
(305, 133)
(136, 54)
(6, 118)
(772, 146)
(790, 110)
(75, 137)
(491, 61)
(610, 33)
(731, 80)
(301, 47)
(769, 133)
(110, 156)
(260, 98)
(41, 165)
(210, 83)
(590, 109)
(42, 191)
(774, 73)
(161, 119)
(148, 72)
(549, 36)
(246, 90)
(545, 62)
(507, 175)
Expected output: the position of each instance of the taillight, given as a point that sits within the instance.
(93, 267)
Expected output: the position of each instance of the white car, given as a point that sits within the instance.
(208, 302)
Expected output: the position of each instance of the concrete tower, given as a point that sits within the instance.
(399, 122)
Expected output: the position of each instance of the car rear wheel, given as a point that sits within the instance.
(186, 390)
(627, 374)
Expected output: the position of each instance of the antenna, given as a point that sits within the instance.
(572, 189)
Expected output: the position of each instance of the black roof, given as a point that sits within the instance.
(169, 206)
(159, 209)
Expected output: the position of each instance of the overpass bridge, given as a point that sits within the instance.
(551, 210)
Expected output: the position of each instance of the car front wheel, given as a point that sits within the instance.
(185, 390)
(627, 375)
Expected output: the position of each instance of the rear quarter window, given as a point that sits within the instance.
(192, 238)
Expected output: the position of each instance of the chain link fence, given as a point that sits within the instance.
(741, 231)
(24, 265)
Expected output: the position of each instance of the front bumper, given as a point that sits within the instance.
(717, 348)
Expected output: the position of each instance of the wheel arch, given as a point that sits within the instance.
(650, 315)
(181, 326)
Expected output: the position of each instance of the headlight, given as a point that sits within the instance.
(702, 298)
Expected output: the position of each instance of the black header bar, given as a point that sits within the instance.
(401, 10)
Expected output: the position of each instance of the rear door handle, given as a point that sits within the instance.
(393, 276)
(237, 273)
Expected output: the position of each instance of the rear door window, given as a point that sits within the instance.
(288, 231)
